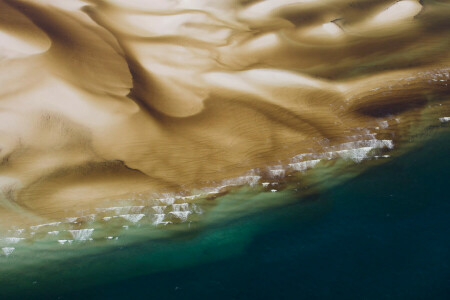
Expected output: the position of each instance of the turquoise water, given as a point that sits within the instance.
(382, 235)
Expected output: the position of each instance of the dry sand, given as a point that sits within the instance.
(104, 98)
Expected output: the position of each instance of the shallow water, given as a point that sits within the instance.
(224, 149)
(381, 235)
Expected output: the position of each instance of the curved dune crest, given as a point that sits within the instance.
(100, 99)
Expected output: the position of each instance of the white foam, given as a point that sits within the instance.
(214, 190)
(159, 219)
(36, 227)
(300, 157)
(167, 200)
(197, 209)
(115, 209)
(384, 124)
(357, 155)
(180, 207)
(159, 209)
(304, 165)
(373, 143)
(17, 231)
(277, 172)
(132, 209)
(444, 119)
(82, 234)
(13, 240)
(250, 180)
(134, 218)
(182, 215)
(8, 250)
(354, 150)
(121, 209)
(192, 197)
(357, 150)
(90, 218)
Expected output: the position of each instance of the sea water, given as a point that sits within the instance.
(381, 235)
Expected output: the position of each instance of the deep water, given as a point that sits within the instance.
(382, 235)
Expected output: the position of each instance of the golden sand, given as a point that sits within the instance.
(103, 98)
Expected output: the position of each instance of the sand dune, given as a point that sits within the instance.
(104, 98)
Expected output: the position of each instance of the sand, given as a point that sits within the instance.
(103, 99)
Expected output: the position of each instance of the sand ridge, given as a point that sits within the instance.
(101, 98)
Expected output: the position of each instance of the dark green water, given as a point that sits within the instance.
(382, 235)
